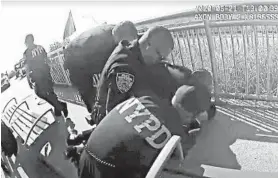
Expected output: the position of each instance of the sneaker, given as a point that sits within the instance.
(65, 109)
(194, 126)
(57, 112)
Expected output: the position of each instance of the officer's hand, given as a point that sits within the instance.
(30, 85)
(33, 85)
(98, 113)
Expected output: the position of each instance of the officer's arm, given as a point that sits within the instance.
(44, 54)
(24, 63)
(24, 59)
(29, 77)
(28, 71)
(120, 85)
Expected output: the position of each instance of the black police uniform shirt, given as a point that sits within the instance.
(36, 60)
(89, 52)
(124, 74)
(168, 78)
(134, 132)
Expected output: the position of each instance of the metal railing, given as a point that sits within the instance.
(58, 73)
(241, 55)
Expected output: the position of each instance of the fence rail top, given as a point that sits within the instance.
(212, 23)
(55, 51)
(226, 24)
(191, 12)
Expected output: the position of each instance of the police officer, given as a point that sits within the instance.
(125, 72)
(129, 138)
(87, 54)
(84, 57)
(38, 72)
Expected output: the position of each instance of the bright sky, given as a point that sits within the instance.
(46, 20)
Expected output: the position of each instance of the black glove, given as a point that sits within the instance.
(70, 152)
(75, 141)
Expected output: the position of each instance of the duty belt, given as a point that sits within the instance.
(98, 159)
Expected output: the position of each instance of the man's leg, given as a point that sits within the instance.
(59, 105)
(87, 95)
(47, 93)
(84, 84)
(43, 95)
(62, 106)
(88, 92)
(211, 111)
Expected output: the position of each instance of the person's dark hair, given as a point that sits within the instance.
(29, 36)
(194, 99)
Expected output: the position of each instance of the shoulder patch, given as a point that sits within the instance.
(124, 81)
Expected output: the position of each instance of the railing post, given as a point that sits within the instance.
(212, 58)
(61, 62)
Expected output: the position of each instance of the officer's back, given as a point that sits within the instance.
(90, 50)
(131, 136)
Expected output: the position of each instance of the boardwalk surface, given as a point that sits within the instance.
(239, 139)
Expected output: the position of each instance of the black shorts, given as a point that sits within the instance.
(90, 168)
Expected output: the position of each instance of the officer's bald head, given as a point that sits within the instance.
(157, 42)
(125, 30)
